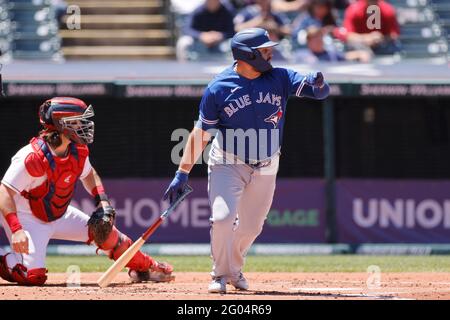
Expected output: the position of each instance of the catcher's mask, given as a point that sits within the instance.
(245, 45)
(68, 116)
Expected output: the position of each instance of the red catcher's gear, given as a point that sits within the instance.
(20, 274)
(5, 274)
(50, 200)
(117, 243)
(13, 222)
(32, 277)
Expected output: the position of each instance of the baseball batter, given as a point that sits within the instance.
(244, 108)
(36, 191)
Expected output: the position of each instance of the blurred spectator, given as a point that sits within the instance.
(342, 4)
(60, 8)
(206, 31)
(288, 6)
(183, 7)
(316, 50)
(319, 14)
(357, 33)
(260, 15)
(239, 4)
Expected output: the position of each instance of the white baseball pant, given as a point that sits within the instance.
(71, 226)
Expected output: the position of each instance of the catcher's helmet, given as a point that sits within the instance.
(70, 117)
(245, 45)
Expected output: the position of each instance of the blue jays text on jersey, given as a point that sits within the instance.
(250, 113)
(241, 102)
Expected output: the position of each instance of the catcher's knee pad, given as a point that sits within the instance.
(117, 243)
(32, 277)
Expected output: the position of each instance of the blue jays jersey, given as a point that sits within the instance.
(249, 113)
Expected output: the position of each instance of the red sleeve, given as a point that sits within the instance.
(395, 28)
(349, 19)
(390, 17)
(340, 33)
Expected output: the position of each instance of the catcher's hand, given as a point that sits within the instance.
(101, 223)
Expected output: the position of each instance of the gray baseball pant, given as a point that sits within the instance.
(240, 198)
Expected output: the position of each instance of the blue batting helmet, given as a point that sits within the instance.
(245, 45)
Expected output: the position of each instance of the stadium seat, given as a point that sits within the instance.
(31, 14)
(444, 15)
(35, 31)
(409, 3)
(134, 29)
(440, 4)
(32, 2)
(442, 10)
(424, 48)
(5, 31)
(446, 27)
(415, 15)
(34, 43)
(420, 31)
(38, 29)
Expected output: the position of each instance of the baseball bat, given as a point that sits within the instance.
(123, 260)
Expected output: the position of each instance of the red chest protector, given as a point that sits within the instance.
(50, 200)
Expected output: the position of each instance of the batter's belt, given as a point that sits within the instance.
(258, 164)
(221, 156)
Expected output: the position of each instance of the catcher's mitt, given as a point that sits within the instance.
(101, 223)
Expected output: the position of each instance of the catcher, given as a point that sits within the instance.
(35, 196)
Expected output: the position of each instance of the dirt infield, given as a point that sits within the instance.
(192, 286)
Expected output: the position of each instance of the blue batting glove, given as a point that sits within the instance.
(315, 79)
(176, 187)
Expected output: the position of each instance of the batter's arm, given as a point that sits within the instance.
(314, 86)
(197, 142)
(318, 93)
(19, 239)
